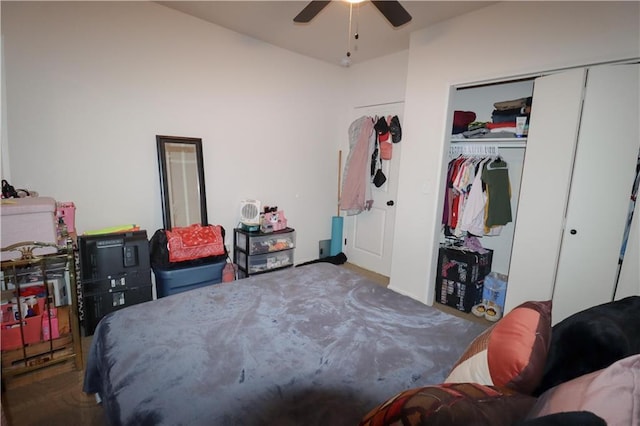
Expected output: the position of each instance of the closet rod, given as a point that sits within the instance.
(499, 142)
(473, 149)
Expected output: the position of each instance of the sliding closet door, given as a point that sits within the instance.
(546, 178)
(603, 177)
(629, 280)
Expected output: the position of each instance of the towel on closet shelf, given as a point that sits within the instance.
(461, 121)
(475, 132)
(492, 126)
(512, 104)
(505, 127)
(511, 118)
(507, 112)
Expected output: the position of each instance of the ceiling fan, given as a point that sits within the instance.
(392, 10)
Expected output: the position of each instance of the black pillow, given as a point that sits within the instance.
(591, 340)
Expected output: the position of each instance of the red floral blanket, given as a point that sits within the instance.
(194, 242)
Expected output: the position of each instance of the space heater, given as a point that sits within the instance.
(250, 215)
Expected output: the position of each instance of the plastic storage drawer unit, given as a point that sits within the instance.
(176, 280)
(276, 241)
(269, 261)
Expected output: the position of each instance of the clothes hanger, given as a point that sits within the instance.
(501, 165)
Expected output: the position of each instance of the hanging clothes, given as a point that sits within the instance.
(477, 196)
(472, 220)
(496, 176)
(356, 195)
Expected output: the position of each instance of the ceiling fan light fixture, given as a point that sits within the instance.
(392, 10)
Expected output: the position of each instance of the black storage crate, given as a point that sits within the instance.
(459, 295)
(461, 275)
(463, 266)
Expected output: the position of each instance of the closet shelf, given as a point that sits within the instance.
(499, 142)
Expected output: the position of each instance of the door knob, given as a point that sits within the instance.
(390, 203)
(573, 232)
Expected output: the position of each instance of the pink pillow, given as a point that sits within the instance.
(511, 353)
(612, 393)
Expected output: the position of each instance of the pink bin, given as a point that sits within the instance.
(67, 211)
(28, 219)
(12, 338)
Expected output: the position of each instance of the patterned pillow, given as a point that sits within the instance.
(453, 404)
(511, 353)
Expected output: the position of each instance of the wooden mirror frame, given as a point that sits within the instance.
(169, 216)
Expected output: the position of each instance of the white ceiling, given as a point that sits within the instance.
(327, 35)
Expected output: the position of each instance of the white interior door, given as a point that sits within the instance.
(603, 177)
(369, 235)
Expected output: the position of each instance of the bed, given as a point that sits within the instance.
(312, 345)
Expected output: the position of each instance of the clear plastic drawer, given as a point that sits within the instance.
(268, 261)
(270, 243)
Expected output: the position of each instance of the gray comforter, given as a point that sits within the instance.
(312, 345)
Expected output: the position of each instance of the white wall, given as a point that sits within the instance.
(90, 85)
(378, 81)
(527, 37)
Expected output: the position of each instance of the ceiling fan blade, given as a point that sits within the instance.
(310, 11)
(393, 11)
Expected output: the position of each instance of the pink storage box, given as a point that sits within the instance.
(9, 308)
(52, 331)
(67, 211)
(28, 219)
(11, 337)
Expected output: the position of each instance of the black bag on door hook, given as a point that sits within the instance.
(8, 191)
(379, 179)
(395, 129)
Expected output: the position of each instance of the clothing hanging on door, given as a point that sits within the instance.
(477, 197)
(356, 193)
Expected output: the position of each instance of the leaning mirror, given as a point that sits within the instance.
(181, 181)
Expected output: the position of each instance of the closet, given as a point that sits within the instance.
(571, 180)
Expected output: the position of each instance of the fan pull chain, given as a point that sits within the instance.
(349, 33)
(357, 33)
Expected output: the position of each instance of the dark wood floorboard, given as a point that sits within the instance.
(55, 400)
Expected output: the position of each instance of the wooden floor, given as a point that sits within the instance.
(384, 281)
(54, 400)
(376, 278)
(59, 400)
